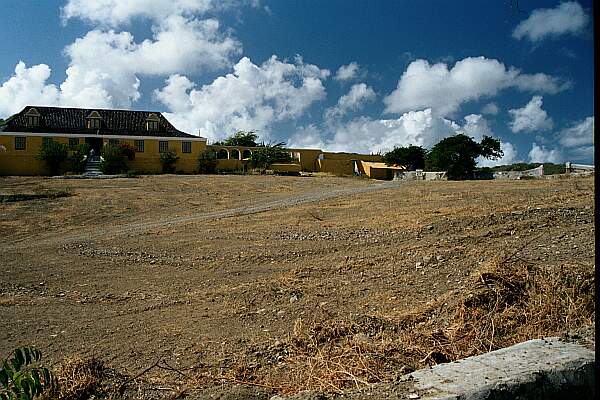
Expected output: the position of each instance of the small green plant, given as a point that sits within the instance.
(168, 159)
(77, 159)
(54, 154)
(21, 378)
(114, 160)
(128, 151)
(207, 162)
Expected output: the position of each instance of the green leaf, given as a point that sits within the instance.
(26, 387)
(4, 378)
(17, 378)
(47, 376)
(27, 355)
(37, 354)
(35, 375)
(17, 360)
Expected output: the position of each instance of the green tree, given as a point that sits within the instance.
(168, 159)
(456, 155)
(412, 157)
(207, 162)
(241, 138)
(54, 154)
(266, 155)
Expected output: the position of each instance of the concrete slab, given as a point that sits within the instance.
(536, 369)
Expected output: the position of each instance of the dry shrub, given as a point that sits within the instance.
(336, 355)
(78, 378)
(508, 301)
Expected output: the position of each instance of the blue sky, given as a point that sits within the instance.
(339, 75)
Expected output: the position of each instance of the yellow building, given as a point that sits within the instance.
(304, 160)
(149, 133)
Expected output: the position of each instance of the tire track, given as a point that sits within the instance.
(144, 226)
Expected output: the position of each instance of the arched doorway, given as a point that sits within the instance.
(235, 154)
(223, 154)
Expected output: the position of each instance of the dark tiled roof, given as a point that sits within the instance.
(74, 121)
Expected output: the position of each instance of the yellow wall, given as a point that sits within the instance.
(148, 161)
(23, 162)
(286, 167)
(230, 165)
(308, 159)
(337, 167)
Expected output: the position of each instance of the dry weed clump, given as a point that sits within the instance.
(509, 301)
(78, 378)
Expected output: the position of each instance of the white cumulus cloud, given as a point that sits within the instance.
(579, 134)
(476, 126)
(27, 86)
(566, 18)
(356, 97)
(530, 118)
(367, 135)
(119, 12)
(577, 140)
(541, 154)
(510, 156)
(179, 45)
(490, 108)
(347, 72)
(252, 97)
(444, 89)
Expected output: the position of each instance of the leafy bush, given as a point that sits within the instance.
(77, 159)
(20, 376)
(411, 157)
(114, 160)
(128, 151)
(240, 138)
(262, 157)
(168, 159)
(207, 162)
(456, 155)
(54, 154)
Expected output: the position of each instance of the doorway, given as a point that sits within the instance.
(95, 144)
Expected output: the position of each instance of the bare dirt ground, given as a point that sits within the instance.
(248, 286)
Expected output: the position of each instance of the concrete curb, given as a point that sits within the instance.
(537, 369)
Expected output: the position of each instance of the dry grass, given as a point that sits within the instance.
(509, 301)
(78, 378)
